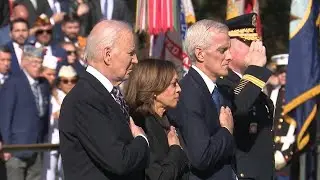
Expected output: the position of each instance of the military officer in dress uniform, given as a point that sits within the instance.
(284, 130)
(252, 109)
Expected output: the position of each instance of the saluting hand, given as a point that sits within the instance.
(256, 55)
(226, 119)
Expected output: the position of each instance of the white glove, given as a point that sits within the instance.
(279, 160)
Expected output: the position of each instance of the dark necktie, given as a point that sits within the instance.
(120, 100)
(37, 94)
(216, 97)
(105, 15)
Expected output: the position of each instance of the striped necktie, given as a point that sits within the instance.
(120, 100)
(37, 96)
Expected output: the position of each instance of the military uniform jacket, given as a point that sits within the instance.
(281, 131)
(253, 118)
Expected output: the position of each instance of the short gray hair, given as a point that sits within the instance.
(198, 35)
(106, 37)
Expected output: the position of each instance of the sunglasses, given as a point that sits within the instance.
(71, 81)
(71, 52)
(43, 31)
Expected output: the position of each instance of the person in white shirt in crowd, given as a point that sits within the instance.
(48, 69)
(5, 61)
(67, 78)
(19, 33)
(18, 11)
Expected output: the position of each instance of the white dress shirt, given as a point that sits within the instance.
(55, 5)
(210, 84)
(109, 10)
(240, 75)
(48, 48)
(107, 84)
(30, 79)
(66, 39)
(55, 107)
(18, 51)
(274, 95)
(3, 77)
(31, 82)
(34, 3)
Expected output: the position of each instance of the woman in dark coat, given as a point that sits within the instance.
(151, 89)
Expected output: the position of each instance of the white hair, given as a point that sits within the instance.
(198, 35)
(103, 35)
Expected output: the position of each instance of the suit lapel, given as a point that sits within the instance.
(116, 9)
(25, 83)
(232, 76)
(96, 85)
(97, 9)
(203, 88)
(44, 93)
(14, 60)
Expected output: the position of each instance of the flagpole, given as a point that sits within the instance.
(302, 170)
(318, 142)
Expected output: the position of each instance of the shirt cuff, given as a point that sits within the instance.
(52, 21)
(144, 138)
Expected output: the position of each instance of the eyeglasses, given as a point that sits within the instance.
(35, 62)
(71, 81)
(71, 52)
(43, 31)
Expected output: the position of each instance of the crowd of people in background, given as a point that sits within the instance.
(61, 67)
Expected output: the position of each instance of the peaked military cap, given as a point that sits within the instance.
(244, 27)
(281, 61)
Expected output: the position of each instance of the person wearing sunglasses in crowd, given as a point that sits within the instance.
(44, 38)
(72, 57)
(66, 80)
(151, 89)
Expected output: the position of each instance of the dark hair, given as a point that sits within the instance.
(64, 43)
(5, 49)
(70, 18)
(280, 69)
(19, 20)
(149, 78)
